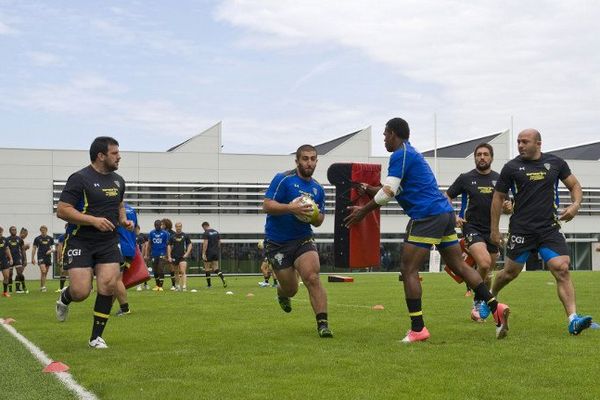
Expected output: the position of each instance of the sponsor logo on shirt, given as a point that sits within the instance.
(536, 176)
(111, 192)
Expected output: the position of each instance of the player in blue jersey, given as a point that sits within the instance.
(127, 244)
(158, 240)
(289, 243)
(412, 183)
(535, 225)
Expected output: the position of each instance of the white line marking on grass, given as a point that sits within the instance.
(64, 377)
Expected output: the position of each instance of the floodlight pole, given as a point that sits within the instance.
(512, 138)
(435, 159)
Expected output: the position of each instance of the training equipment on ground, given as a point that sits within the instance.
(193, 290)
(137, 272)
(378, 307)
(55, 367)
(229, 292)
(358, 246)
(339, 278)
(312, 218)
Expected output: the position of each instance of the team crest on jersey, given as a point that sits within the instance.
(315, 191)
(118, 184)
(473, 182)
(494, 183)
(547, 166)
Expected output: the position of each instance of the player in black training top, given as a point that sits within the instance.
(5, 262)
(42, 248)
(210, 253)
(476, 189)
(92, 203)
(535, 224)
(17, 251)
(178, 252)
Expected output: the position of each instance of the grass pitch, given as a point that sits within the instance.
(209, 345)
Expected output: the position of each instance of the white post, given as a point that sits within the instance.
(435, 260)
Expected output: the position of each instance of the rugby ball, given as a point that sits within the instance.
(309, 219)
(261, 244)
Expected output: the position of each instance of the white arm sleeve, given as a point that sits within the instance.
(391, 188)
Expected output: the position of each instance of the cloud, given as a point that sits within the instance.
(92, 97)
(535, 61)
(139, 34)
(43, 59)
(6, 29)
(317, 70)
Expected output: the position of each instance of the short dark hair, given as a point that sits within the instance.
(487, 146)
(399, 127)
(205, 224)
(100, 145)
(305, 147)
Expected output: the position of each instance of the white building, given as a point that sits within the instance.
(195, 182)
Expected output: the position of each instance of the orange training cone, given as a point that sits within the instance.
(56, 366)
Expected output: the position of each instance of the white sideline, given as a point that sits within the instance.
(64, 377)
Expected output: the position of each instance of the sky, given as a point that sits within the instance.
(281, 73)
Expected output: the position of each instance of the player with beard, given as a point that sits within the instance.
(476, 188)
(289, 243)
(92, 203)
(535, 225)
